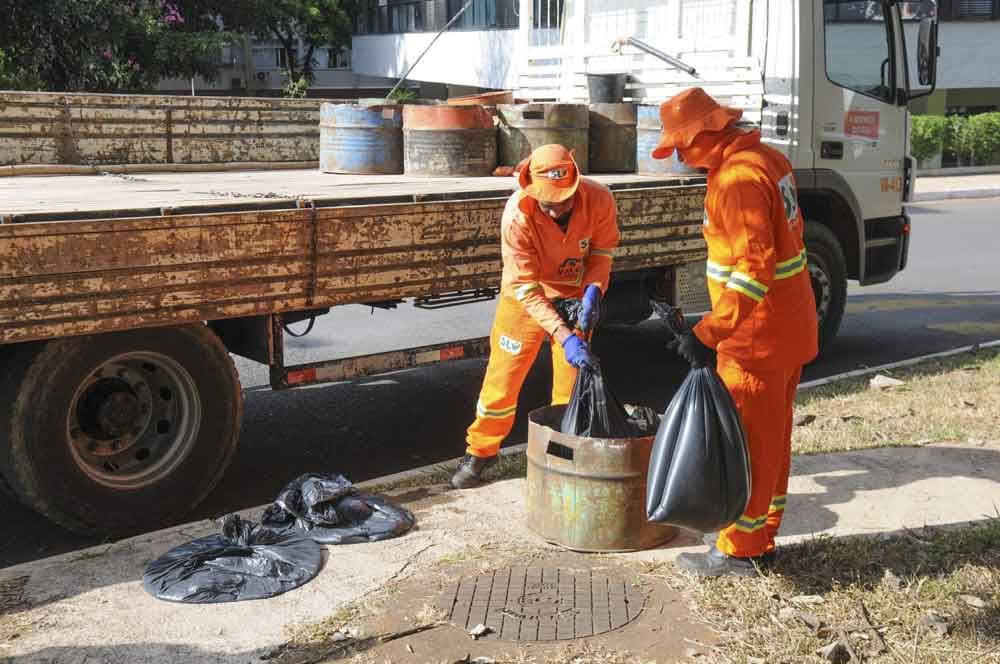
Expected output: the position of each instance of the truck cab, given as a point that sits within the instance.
(828, 82)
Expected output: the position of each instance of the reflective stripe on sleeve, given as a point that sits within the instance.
(523, 290)
(747, 285)
(791, 267)
(717, 272)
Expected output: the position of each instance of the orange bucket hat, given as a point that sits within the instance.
(550, 175)
(688, 114)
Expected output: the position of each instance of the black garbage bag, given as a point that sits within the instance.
(331, 510)
(569, 310)
(593, 411)
(699, 469)
(244, 562)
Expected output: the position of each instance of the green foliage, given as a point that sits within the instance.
(957, 138)
(297, 89)
(927, 135)
(972, 140)
(403, 95)
(318, 23)
(108, 45)
(984, 138)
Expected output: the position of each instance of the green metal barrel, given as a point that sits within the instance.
(524, 127)
(612, 138)
(588, 494)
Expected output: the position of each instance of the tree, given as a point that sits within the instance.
(108, 45)
(317, 23)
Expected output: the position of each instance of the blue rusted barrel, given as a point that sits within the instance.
(361, 140)
(448, 141)
(647, 138)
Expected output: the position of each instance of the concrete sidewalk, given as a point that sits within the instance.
(90, 606)
(937, 188)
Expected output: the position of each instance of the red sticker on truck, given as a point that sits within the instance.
(861, 123)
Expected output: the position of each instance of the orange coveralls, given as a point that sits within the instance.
(540, 263)
(763, 321)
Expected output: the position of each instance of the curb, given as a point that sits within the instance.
(376, 483)
(985, 192)
(868, 371)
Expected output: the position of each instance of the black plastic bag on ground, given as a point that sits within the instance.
(593, 411)
(244, 562)
(699, 469)
(330, 510)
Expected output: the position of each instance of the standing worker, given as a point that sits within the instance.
(763, 320)
(556, 236)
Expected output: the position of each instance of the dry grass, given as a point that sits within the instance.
(900, 581)
(954, 399)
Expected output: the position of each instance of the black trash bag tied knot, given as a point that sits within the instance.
(331, 510)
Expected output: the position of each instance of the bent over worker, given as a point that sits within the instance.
(763, 322)
(556, 236)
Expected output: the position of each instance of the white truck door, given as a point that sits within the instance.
(859, 103)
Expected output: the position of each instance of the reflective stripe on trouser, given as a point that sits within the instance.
(765, 400)
(514, 343)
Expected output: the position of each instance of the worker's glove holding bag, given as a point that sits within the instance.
(590, 309)
(689, 347)
(578, 352)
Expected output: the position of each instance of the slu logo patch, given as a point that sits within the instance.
(786, 187)
(511, 346)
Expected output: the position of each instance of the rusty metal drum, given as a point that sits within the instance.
(448, 141)
(588, 494)
(612, 138)
(361, 140)
(524, 127)
(648, 137)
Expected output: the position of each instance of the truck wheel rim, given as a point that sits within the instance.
(133, 420)
(822, 287)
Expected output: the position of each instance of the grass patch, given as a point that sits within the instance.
(953, 399)
(508, 466)
(933, 596)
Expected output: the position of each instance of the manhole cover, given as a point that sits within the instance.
(542, 604)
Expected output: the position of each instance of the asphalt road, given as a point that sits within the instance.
(949, 296)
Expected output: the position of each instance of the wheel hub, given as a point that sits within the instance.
(133, 420)
(119, 414)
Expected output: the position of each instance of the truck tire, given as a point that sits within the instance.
(828, 274)
(118, 433)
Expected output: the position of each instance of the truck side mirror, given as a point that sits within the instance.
(927, 52)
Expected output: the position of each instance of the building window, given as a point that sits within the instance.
(484, 14)
(338, 58)
(548, 14)
(396, 16)
(952, 10)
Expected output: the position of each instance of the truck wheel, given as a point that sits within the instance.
(828, 274)
(121, 432)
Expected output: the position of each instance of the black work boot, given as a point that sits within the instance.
(470, 471)
(765, 558)
(717, 563)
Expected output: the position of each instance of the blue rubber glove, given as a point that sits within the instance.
(590, 309)
(578, 353)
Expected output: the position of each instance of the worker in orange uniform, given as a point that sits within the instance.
(763, 323)
(557, 235)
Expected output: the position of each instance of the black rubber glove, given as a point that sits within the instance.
(691, 349)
